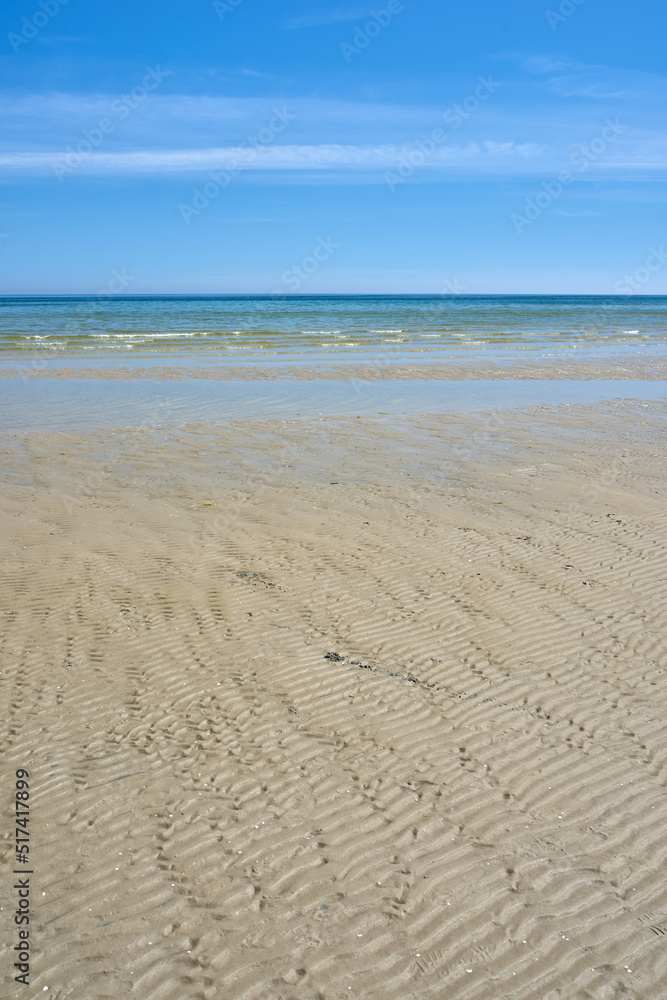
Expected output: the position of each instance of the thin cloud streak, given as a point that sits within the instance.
(488, 156)
(278, 157)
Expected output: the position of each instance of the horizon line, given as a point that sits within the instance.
(326, 295)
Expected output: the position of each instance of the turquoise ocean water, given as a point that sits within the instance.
(347, 326)
(39, 335)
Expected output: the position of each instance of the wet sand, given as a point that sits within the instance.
(366, 708)
(555, 367)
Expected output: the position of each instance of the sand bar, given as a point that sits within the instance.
(648, 368)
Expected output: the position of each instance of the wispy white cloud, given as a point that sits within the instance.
(576, 86)
(549, 63)
(342, 141)
(275, 157)
(486, 157)
(51, 122)
(568, 77)
(57, 118)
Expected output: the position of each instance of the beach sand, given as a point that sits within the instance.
(341, 708)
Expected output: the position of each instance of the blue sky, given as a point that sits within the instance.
(429, 146)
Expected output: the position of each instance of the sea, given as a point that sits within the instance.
(69, 361)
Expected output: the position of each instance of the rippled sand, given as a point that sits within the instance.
(341, 708)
